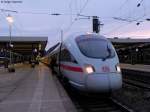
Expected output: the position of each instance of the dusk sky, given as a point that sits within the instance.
(33, 18)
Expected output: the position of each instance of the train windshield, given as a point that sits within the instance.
(95, 48)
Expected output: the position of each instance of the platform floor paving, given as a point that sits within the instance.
(33, 90)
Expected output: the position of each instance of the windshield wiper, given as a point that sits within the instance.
(109, 55)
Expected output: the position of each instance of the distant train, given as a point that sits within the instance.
(88, 61)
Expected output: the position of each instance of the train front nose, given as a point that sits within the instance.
(103, 82)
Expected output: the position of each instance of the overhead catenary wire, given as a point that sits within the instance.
(70, 8)
(72, 22)
(82, 8)
(77, 15)
(47, 13)
(139, 4)
(18, 20)
(71, 14)
(4, 15)
(130, 21)
(118, 18)
(122, 26)
(121, 6)
(37, 13)
(80, 11)
(53, 14)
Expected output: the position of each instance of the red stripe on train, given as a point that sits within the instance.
(71, 68)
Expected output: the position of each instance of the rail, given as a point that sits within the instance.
(136, 78)
(94, 102)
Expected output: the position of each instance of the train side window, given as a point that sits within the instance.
(53, 60)
(66, 56)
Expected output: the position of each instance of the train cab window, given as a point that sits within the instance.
(110, 50)
(95, 47)
(67, 56)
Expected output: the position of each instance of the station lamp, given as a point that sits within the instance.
(10, 20)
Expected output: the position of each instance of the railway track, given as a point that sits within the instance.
(94, 102)
(141, 76)
(136, 78)
(138, 84)
(85, 103)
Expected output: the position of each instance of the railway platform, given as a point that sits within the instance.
(4, 70)
(33, 90)
(136, 67)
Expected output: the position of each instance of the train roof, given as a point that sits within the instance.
(73, 36)
(70, 41)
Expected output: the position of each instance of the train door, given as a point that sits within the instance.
(70, 68)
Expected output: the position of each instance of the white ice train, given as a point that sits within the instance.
(89, 62)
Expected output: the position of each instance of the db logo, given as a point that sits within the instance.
(105, 69)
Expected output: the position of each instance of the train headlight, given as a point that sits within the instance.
(88, 69)
(118, 68)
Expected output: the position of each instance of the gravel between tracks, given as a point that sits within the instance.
(136, 98)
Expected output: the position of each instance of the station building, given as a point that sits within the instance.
(133, 51)
(22, 48)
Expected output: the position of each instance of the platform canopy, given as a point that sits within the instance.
(128, 42)
(24, 45)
